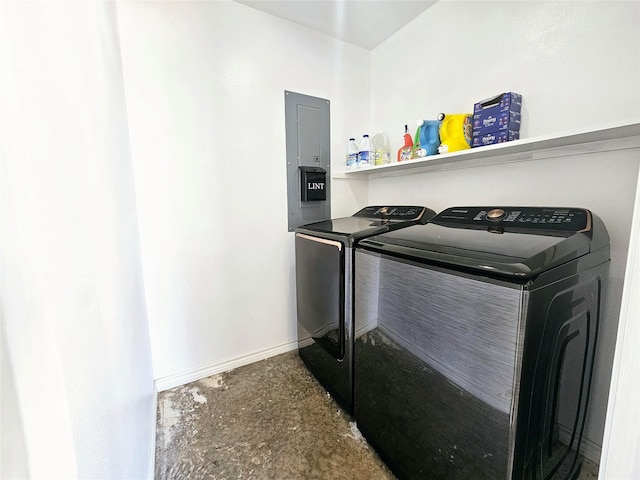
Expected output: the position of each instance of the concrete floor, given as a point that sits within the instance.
(268, 420)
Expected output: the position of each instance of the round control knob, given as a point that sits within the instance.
(495, 214)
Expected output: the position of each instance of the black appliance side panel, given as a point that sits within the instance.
(558, 357)
(321, 308)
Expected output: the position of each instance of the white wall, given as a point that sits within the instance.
(13, 459)
(577, 65)
(73, 312)
(622, 436)
(205, 88)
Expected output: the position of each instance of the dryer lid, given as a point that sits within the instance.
(371, 220)
(513, 241)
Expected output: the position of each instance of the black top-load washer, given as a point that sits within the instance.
(475, 344)
(324, 283)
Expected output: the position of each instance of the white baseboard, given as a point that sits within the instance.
(171, 381)
(588, 449)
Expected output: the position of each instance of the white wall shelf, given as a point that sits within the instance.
(612, 137)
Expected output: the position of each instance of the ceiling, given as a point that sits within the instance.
(366, 23)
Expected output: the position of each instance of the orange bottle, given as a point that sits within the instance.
(405, 151)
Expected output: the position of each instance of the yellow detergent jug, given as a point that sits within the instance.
(455, 131)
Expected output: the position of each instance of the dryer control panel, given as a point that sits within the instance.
(534, 218)
(400, 213)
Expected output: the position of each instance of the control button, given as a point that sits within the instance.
(495, 214)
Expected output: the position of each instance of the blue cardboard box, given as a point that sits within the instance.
(495, 137)
(497, 119)
(505, 102)
(507, 120)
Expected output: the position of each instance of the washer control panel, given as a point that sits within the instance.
(535, 218)
(400, 213)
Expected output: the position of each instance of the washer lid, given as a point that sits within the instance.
(371, 220)
(513, 241)
(349, 226)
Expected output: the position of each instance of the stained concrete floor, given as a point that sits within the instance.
(268, 420)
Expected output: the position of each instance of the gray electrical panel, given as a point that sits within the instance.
(308, 159)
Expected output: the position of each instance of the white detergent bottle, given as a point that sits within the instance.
(366, 153)
(352, 154)
(381, 148)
